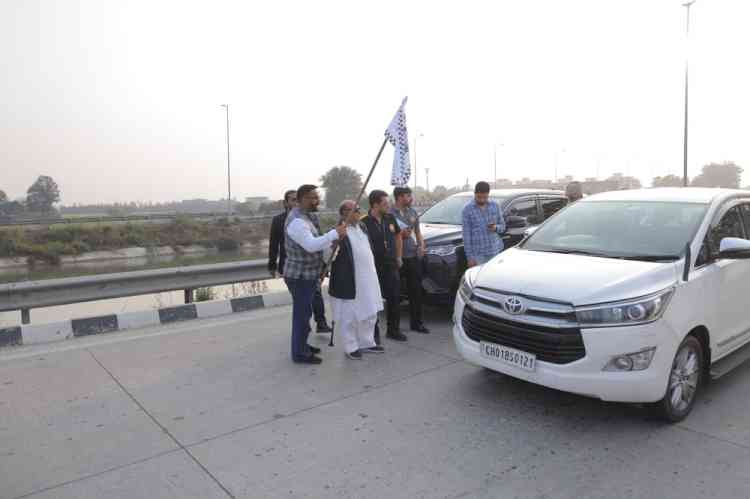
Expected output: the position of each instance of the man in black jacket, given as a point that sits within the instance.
(277, 258)
(386, 243)
(353, 286)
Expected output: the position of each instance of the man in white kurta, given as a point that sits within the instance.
(355, 319)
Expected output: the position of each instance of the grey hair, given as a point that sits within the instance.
(344, 204)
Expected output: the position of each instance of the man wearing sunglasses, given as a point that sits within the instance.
(354, 287)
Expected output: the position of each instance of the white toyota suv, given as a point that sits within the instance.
(628, 296)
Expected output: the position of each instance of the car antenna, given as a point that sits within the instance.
(688, 261)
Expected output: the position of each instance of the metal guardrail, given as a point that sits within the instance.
(26, 295)
(138, 218)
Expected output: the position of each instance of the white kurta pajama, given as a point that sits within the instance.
(355, 319)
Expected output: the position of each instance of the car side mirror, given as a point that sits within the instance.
(516, 222)
(734, 248)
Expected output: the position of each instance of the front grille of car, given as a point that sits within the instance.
(557, 345)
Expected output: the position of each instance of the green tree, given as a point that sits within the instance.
(667, 181)
(725, 174)
(42, 194)
(340, 183)
(3, 196)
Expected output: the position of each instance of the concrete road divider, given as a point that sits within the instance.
(30, 334)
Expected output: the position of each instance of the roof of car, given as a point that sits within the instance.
(669, 194)
(507, 193)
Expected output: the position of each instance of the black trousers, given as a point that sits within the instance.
(412, 271)
(390, 288)
(319, 308)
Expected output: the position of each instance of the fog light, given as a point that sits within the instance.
(637, 361)
(623, 363)
(642, 359)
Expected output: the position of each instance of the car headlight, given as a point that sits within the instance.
(441, 250)
(466, 289)
(625, 313)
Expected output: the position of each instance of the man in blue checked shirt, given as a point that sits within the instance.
(483, 225)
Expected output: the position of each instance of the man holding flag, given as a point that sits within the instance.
(397, 135)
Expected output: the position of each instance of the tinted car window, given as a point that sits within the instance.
(745, 210)
(551, 206)
(448, 211)
(525, 208)
(730, 225)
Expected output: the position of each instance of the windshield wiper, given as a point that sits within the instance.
(650, 258)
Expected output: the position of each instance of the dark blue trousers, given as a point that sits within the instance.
(302, 291)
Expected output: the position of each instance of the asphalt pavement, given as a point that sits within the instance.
(214, 408)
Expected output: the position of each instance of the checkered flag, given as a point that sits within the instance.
(399, 137)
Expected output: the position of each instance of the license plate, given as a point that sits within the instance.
(510, 356)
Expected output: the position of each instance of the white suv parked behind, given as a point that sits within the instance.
(628, 296)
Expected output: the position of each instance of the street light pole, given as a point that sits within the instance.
(685, 133)
(556, 161)
(229, 171)
(427, 179)
(495, 163)
(417, 136)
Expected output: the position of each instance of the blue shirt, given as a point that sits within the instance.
(478, 240)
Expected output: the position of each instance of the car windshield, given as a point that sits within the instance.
(638, 230)
(448, 211)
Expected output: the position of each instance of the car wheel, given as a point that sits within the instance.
(685, 379)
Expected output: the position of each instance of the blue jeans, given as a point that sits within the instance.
(302, 291)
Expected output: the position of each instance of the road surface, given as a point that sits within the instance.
(215, 409)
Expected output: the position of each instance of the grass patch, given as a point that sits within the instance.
(48, 244)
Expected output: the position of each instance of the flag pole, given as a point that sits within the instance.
(372, 169)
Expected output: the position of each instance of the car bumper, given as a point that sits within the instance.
(440, 276)
(585, 376)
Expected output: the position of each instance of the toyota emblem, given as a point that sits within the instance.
(514, 305)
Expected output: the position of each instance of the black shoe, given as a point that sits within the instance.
(324, 328)
(356, 355)
(313, 349)
(312, 359)
(375, 349)
(397, 336)
(420, 328)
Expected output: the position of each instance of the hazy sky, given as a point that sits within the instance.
(120, 100)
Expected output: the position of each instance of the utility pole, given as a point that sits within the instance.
(417, 136)
(556, 161)
(685, 133)
(495, 163)
(427, 179)
(229, 171)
